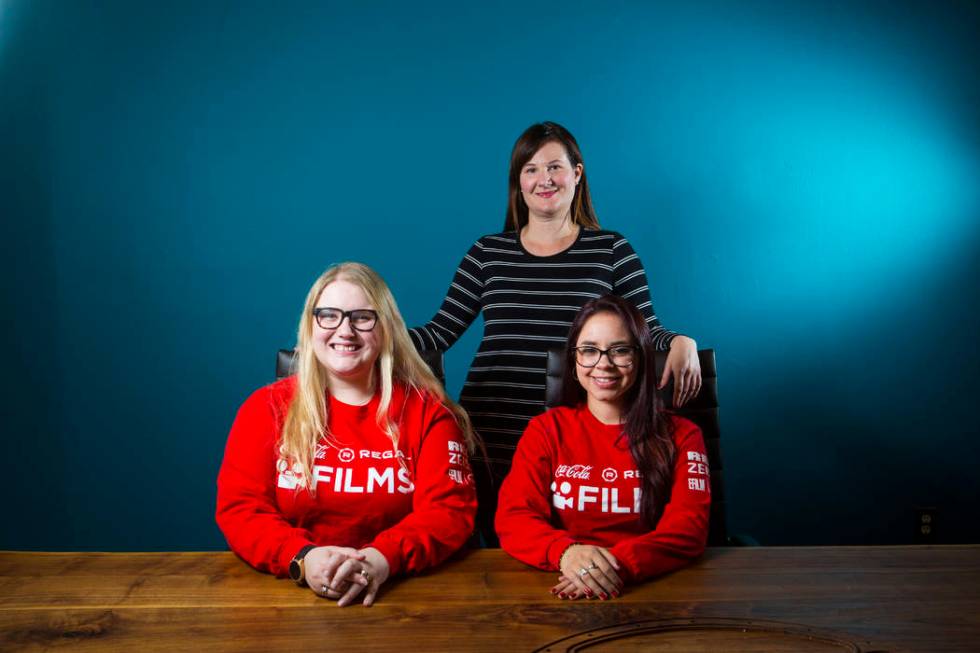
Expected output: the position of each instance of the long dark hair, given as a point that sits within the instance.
(532, 140)
(648, 429)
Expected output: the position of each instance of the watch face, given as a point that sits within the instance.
(295, 570)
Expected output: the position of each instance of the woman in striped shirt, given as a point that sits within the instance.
(530, 281)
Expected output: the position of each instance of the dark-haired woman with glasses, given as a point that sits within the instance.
(606, 489)
(355, 468)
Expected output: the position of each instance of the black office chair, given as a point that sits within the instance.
(286, 360)
(702, 410)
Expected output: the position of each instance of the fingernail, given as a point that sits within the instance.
(561, 595)
(603, 596)
(615, 593)
(588, 592)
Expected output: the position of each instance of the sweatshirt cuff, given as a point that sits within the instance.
(553, 554)
(628, 569)
(390, 552)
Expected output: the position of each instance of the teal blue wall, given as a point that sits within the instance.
(800, 179)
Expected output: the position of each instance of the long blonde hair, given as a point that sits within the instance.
(306, 419)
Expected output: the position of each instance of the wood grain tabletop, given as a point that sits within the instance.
(915, 598)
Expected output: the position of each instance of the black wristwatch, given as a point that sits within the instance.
(297, 570)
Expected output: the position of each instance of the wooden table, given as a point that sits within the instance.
(761, 599)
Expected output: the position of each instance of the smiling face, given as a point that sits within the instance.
(346, 354)
(548, 182)
(605, 384)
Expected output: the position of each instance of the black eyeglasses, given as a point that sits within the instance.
(361, 319)
(618, 355)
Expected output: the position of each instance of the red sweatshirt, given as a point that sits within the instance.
(415, 516)
(572, 482)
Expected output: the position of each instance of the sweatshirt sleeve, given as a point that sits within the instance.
(630, 282)
(682, 531)
(459, 308)
(443, 503)
(524, 520)
(247, 512)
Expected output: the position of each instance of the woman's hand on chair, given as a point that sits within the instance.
(682, 364)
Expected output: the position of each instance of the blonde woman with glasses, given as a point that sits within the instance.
(356, 468)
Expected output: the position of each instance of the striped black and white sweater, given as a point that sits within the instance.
(528, 305)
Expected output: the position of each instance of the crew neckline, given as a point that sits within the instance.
(520, 244)
(613, 429)
(352, 409)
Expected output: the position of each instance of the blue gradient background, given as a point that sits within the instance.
(800, 179)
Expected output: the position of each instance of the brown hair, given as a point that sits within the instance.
(648, 430)
(532, 140)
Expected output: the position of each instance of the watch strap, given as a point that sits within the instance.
(297, 570)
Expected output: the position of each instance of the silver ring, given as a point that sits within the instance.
(593, 566)
(323, 589)
(583, 572)
(366, 575)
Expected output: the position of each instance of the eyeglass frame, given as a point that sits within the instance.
(606, 352)
(345, 315)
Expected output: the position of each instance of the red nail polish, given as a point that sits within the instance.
(603, 596)
(588, 592)
(561, 595)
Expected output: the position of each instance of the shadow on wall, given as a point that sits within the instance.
(33, 451)
(864, 424)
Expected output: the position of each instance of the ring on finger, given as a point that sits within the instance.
(365, 574)
(583, 572)
(323, 589)
(593, 565)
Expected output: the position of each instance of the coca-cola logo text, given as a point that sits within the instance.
(583, 472)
